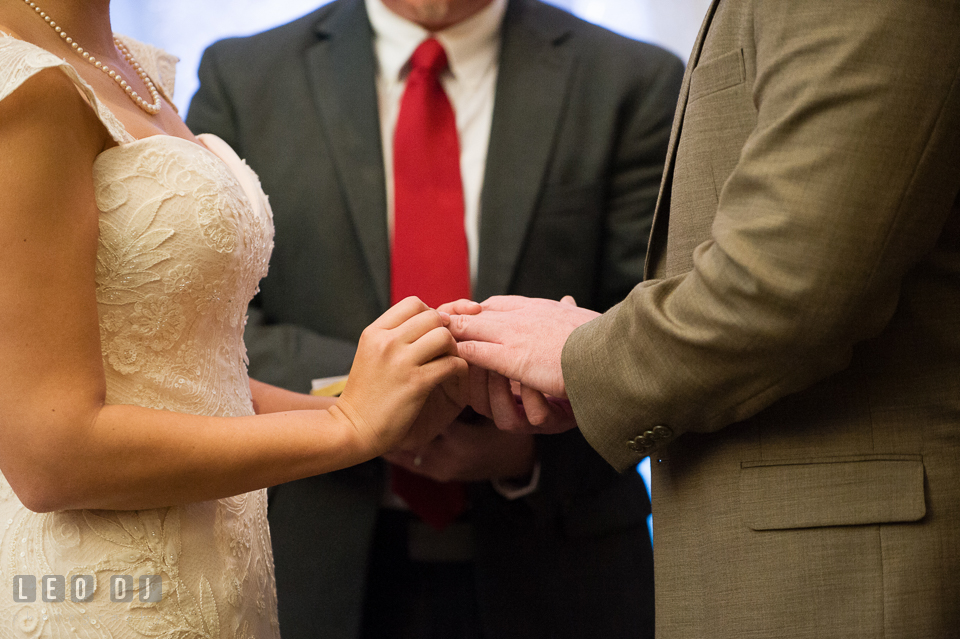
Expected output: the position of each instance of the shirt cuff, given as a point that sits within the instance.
(511, 490)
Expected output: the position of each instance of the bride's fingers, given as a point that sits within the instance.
(434, 343)
(437, 370)
(568, 299)
(400, 313)
(414, 328)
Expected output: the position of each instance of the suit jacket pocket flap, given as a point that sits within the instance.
(717, 74)
(836, 492)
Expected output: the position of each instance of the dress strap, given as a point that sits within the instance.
(19, 61)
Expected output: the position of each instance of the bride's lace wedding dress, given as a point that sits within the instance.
(185, 235)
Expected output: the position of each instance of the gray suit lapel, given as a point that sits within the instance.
(341, 69)
(532, 84)
(661, 216)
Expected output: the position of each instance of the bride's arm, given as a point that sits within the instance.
(61, 447)
(272, 399)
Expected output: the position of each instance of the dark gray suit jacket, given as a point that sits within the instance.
(580, 127)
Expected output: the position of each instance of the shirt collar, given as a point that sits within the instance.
(470, 45)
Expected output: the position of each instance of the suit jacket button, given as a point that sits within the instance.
(633, 444)
(662, 432)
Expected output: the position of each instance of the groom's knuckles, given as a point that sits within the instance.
(460, 306)
(460, 325)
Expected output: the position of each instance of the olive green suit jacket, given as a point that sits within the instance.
(579, 134)
(798, 338)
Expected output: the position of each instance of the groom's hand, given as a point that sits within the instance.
(474, 451)
(518, 337)
(516, 408)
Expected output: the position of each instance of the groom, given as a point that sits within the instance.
(563, 129)
(793, 361)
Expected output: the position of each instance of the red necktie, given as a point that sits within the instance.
(429, 257)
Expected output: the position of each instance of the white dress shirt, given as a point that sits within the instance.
(473, 50)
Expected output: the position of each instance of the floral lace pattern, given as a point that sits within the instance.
(185, 236)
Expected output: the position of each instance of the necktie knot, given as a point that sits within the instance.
(429, 57)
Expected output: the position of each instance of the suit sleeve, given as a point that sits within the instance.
(842, 186)
(285, 355)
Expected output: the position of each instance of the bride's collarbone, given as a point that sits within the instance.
(140, 125)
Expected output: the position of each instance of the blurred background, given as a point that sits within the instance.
(186, 27)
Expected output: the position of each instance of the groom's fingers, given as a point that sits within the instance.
(460, 307)
(505, 302)
(545, 416)
(538, 410)
(493, 357)
(479, 392)
(488, 326)
(507, 414)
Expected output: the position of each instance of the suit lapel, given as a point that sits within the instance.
(532, 84)
(661, 216)
(341, 69)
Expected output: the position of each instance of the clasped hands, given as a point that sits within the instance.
(515, 389)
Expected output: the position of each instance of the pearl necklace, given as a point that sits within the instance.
(151, 109)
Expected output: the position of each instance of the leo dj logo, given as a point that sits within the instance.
(53, 588)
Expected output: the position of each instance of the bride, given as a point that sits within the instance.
(132, 443)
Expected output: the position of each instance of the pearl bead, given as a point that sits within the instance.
(151, 109)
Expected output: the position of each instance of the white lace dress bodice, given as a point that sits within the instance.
(185, 236)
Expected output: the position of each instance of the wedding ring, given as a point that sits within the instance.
(417, 460)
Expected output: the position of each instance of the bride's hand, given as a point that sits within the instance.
(439, 411)
(402, 357)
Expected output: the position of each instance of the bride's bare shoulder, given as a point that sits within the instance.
(48, 103)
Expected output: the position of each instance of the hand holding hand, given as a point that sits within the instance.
(471, 452)
(402, 359)
(439, 411)
(516, 408)
(520, 338)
